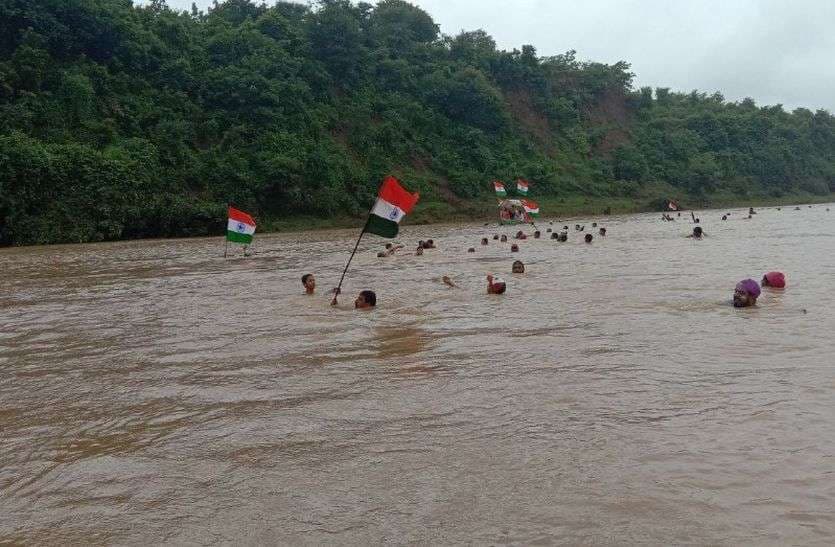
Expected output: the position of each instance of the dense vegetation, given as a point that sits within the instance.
(122, 121)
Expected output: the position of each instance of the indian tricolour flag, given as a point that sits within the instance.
(499, 187)
(531, 207)
(393, 203)
(240, 228)
(522, 187)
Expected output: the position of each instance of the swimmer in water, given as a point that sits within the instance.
(365, 300)
(602, 231)
(697, 233)
(536, 234)
(594, 225)
(495, 285)
(496, 237)
(514, 248)
(724, 217)
(504, 238)
(775, 280)
(589, 238)
(518, 267)
(555, 235)
(746, 293)
(521, 235)
(419, 251)
(448, 282)
(471, 250)
(484, 241)
(309, 283)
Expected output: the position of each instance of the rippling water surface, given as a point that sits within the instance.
(153, 392)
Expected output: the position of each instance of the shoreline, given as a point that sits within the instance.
(472, 211)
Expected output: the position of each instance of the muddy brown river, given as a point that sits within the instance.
(152, 392)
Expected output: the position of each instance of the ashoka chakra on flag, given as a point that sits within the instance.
(240, 228)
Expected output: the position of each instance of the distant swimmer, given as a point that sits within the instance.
(448, 282)
(381, 254)
(589, 238)
(429, 244)
(537, 234)
(514, 248)
(521, 235)
(484, 241)
(495, 285)
(563, 237)
(594, 225)
(555, 235)
(797, 208)
(496, 237)
(724, 217)
(746, 293)
(504, 238)
(549, 230)
(751, 211)
(471, 250)
(309, 283)
(602, 231)
(698, 233)
(776, 280)
(419, 251)
(518, 267)
(391, 249)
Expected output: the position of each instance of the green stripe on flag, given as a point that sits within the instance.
(381, 227)
(236, 237)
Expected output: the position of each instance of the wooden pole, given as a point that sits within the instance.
(341, 279)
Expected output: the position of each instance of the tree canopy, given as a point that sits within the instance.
(122, 121)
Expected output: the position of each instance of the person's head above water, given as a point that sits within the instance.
(389, 246)
(589, 238)
(496, 236)
(746, 293)
(381, 254)
(603, 231)
(776, 280)
(419, 251)
(484, 241)
(698, 232)
(366, 299)
(518, 267)
(555, 235)
(724, 217)
(309, 283)
(471, 250)
(504, 237)
(536, 234)
(422, 244)
(594, 225)
(495, 285)
(514, 248)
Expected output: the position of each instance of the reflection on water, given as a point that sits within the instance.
(153, 392)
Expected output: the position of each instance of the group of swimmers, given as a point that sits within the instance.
(745, 294)
(748, 291)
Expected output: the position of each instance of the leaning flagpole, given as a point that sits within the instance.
(225, 234)
(345, 271)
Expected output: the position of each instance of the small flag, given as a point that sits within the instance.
(393, 203)
(240, 228)
(499, 187)
(522, 187)
(531, 207)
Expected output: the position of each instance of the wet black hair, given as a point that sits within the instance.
(496, 236)
(305, 278)
(381, 254)
(370, 297)
(555, 235)
(388, 245)
(484, 241)
(500, 288)
(537, 233)
(698, 230)
(589, 238)
(471, 250)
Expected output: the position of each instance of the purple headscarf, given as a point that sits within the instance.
(749, 286)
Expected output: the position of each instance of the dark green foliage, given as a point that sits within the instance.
(120, 121)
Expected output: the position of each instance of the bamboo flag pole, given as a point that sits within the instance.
(225, 235)
(345, 271)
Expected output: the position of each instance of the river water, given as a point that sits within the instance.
(152, 392)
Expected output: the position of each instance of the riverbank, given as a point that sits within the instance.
(483, 210)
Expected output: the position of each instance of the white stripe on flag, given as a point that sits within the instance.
(240, 227)
(386, 210)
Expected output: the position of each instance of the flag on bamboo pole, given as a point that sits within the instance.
(393, 203)
(522, 187)
(500, 190)
(240, 228)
